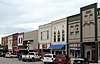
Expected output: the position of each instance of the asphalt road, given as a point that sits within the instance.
(15, 61)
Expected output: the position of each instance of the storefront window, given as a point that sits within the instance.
(58, 52)
(74, 53)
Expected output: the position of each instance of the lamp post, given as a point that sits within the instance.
(28, 44)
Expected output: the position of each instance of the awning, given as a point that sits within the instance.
(57, 47)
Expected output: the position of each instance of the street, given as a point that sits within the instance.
(15, 61)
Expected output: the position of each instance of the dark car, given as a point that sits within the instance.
(1, 54)
(81, 61)
(61, 59)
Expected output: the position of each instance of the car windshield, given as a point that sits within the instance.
(60, 56)
(47, 56)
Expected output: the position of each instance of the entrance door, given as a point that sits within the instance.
(88, 52)
(88, 55)
(93, 55)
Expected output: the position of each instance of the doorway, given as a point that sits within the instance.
(88, 53)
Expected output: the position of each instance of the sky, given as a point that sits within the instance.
(18, 16)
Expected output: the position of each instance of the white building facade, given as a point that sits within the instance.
(58, 33)
(44, 37)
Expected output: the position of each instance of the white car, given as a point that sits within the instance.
(10, 55)
(31, 56)
(48, 58)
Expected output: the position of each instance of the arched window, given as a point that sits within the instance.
(54, 36)
(58, 36)
(63, 35)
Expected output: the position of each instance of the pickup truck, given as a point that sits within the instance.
(31, 56)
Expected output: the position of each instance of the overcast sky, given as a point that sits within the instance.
(27, 15)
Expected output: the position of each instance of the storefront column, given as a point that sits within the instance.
(51, 51)
(67, 49)
(96, 49)
(82, 50)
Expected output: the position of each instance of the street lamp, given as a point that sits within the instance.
(28, 44)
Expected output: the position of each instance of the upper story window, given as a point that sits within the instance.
(77, 25)
(89, 11)
(54, 36)
(77, 32)
(71, 26)
(19, 40)
(47, 34)
(58, 35)
(85, 15)
(10, 41)
(99, 13)
(71, 33)
(41, 35)
(63, 35)
(91, 14)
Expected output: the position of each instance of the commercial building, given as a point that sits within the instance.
(58, 36)
(73, 37)
(44, 38)
(31, 40)
(83, 33)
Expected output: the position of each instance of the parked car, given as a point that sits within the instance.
(23, 52)
(31, 56)
(61, 59)
(80, 61)
(49, 58)
(1, 54)
(10, 55)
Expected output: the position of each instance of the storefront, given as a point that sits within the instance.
(57, 49)
(74, 50)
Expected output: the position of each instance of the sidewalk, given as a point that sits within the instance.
(94, 63)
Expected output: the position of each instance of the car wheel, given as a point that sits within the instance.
(33, 59)
(23, 60)
(45, 63)
(19, 58)
(52, 63)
